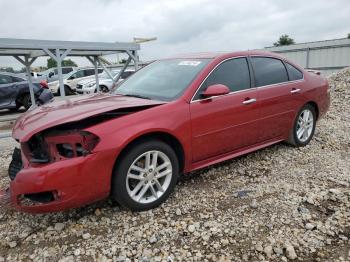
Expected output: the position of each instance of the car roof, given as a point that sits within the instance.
(213, 55)
(10, 74)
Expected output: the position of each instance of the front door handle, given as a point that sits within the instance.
(295, 90)
(249, 101)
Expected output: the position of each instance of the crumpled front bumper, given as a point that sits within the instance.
(73, 183)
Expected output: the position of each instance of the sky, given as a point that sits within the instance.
(181, 26)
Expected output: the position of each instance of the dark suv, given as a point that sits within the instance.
(14, 92)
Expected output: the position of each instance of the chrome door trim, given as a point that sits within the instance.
(252, 88)
(250, 101)
(293, 91)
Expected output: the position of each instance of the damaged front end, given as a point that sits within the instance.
(43, 150)
(49, 147)
(59, 164)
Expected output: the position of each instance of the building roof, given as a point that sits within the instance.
(34, 48)
(342, 42)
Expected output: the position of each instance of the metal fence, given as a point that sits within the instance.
(327, 56)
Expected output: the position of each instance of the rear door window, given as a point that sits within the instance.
(268, 71)
(293, 72)
(89, 72)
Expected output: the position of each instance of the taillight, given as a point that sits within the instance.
(44, 84)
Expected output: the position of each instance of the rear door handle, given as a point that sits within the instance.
(295, 90)
(249, 101)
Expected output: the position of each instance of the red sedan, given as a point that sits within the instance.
(171, 117)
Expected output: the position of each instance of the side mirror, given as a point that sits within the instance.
(215, 90)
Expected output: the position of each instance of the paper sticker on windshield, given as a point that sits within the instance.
(190, 63)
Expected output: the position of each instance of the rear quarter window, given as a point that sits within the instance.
(293, 72)
(268, 71)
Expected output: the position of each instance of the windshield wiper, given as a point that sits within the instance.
(138, 96)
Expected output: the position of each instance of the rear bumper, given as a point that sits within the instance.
(72, 183)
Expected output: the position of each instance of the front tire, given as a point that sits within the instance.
(145, 175)
(104, 89)
(67, 91)
(304, 126)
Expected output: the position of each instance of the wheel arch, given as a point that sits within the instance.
(165, 137)
(21, 95)
(315, 106)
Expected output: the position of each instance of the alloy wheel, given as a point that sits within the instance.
(149, 176)
(305, 125)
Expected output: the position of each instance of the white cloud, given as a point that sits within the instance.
(181, 26)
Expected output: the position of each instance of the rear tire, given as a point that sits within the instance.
(145, 175)
(104, 89)
(26, 101)
(303, 127)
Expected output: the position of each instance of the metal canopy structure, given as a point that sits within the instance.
(26, 51)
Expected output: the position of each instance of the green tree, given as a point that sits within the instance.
(348, 35)
(284, 40)
(52, 63)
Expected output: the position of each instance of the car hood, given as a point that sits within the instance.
(72, 110)
(92, 80)
(86, 81)
(56, 82)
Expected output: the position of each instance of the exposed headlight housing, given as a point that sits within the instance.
(60, 145)
(91, 84)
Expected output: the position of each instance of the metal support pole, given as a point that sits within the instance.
(117, 77)
(59, 70)
(27, 62)
(105, 69)
(58, 58)
(136, 61)
(96, 74)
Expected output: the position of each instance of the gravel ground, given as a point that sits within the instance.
(277, 204)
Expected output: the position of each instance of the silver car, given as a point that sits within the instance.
(71, 80)
(88, 86)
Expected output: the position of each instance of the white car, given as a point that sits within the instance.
(88, 86)
(51, 74)
(71, 80)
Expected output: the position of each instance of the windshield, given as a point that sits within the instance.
(69, 74)
(105, 75)
(162, 80)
